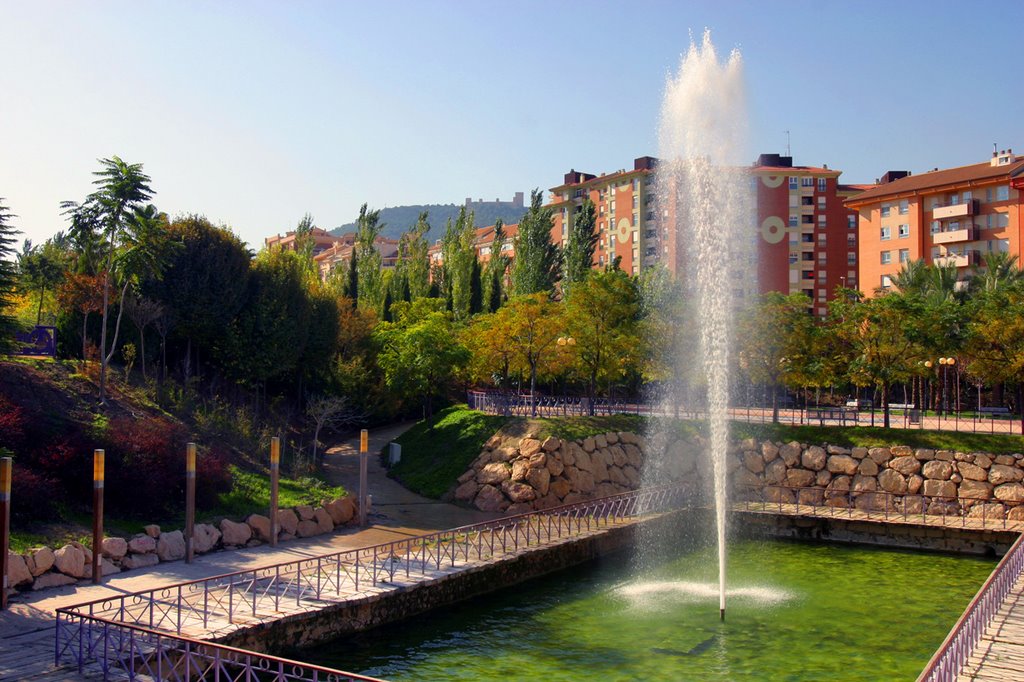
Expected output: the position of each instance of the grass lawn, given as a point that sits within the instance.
(434, 455)
(866, 436)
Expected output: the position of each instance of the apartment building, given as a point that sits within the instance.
(950, 216)
(483, 242)
(625, 216)
(340, 252)
(807, 238)
(322, 240)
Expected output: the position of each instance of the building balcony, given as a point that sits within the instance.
(967, 234)
(967, 208)
(959, 260)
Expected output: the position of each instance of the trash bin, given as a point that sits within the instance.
(914, 416)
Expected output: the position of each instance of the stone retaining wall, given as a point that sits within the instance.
(44, 567)
(900, 478)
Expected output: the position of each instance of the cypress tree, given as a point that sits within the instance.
(476, 288)
(352, 287)
(8, 279)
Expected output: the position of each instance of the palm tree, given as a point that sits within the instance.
(1001, 272)
(122, 187)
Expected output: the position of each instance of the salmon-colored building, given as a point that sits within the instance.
(950, 216)
(624, 213)
(807, 238)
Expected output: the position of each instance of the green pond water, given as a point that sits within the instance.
(795, 612)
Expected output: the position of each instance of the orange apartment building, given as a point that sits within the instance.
(341, 252)
(807, 238)
(624, 208)
(951, 216)
(483, 242)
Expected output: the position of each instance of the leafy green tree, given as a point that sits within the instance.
(534, 324)
(476, 288)
(994, 344)
(204, 283)
(304, 242)
(419, 351)
(414, 261)
(493, 355)
(776, 342)
(368, 260)
(458, 256)
(536, 264)
(602, 316)
(8, 278)
(41, 268)
(1001, 271)
(668, 333)
(885, 348)
(580, 246)
(496, 270)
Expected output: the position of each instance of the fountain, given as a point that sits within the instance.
(701, 139)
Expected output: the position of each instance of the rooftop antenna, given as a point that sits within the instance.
(788, 153)
(994, 152)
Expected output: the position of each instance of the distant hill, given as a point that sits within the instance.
(400, 219)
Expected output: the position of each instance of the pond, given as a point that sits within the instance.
(796, 611)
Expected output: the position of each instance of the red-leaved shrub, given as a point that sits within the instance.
(34, 497)
(12, 425)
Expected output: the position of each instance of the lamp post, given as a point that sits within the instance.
(946, 364)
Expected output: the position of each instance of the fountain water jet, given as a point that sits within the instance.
(701, 138)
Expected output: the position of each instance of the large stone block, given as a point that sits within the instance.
(520, 468)
(70, 560)
(287, 521)
(988, 511)
(493, 474)
(205, 538)
(814, 458)
(40, 560)
(114, 548)
(892, 481)
(775, 472)
(937, 469)
(539, 479)
(133, 561)
(880, 455)
(307, 529)
(142, 544)
(971, 472)
(529, 446)
(323, 520)
(17, 570)
(800, 478)
(975, 490)
(305, 512)
(612, 437)
(842, 464)
(518, 492)
(769, 451)
(905, 464)
(467, 491)
(260, 526)
(237, 535)
(1010, 492)
(867, 467)
(171, 546)
(559, 487)
(490, 499)
(48, 580)
(790, 453)
(555, 464)
(940, 489)
(863, 484)
(753, 462)
(550, 444)
(1002, 473)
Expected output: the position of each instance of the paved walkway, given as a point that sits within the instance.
(27, 627)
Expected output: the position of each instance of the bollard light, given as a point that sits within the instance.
(98, 460)
(275, 472)
(364, 441)
(5, 525)
(190, 501)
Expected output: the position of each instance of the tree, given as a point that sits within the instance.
(601, 314)
(1001, 271)
(368, 259)
(776, 342)
(885, 348)
(578, 258)
(413, 260)
(669, 332)
(458, 256)
(534, 324)
(8, 278)
(204, 283)
(994, 343)
(143, 312)
(121, 188)
(419, 352)
(536, 265)
(84, 293)
(40, 268)
(329, 412)
(492, 350)
(496, 270)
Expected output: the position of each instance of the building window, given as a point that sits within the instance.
(792, 182)
(793, 257)
(886, 257)
(636, 184)
(935, 252)
(807, 238)
(886, 281)
(821, 294)
(1002, 193)
(851, 257)
(821, 220)
(851, 222)
(886, 208)
(821, 184)
(821, 203)
(904, 231)
(792, 221)
(968, 197)
(807, 182)
(636, 201)
(807, 201)
(936, 227)
(821, 258)
(904, 255)
(821, 239)
(885, 233)
(807, 274)
(904, 206)
(807, 219)
(851, 240)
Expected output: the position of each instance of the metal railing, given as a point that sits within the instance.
(124, 650)
(875, 505)
(518, 405)
(961, 641)
(223, 602)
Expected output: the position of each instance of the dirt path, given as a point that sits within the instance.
(393, 504)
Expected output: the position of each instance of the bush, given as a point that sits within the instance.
(145, 466)
(33, 497)
(12, 424)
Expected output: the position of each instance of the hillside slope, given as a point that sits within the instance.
(400, 219)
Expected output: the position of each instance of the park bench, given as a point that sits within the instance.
(836, 414)
(994, 412)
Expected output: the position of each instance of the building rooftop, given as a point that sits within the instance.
(936, 179)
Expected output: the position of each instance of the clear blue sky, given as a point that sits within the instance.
(254, 113)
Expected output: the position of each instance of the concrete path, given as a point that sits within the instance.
(392, 504)
(27, 627)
